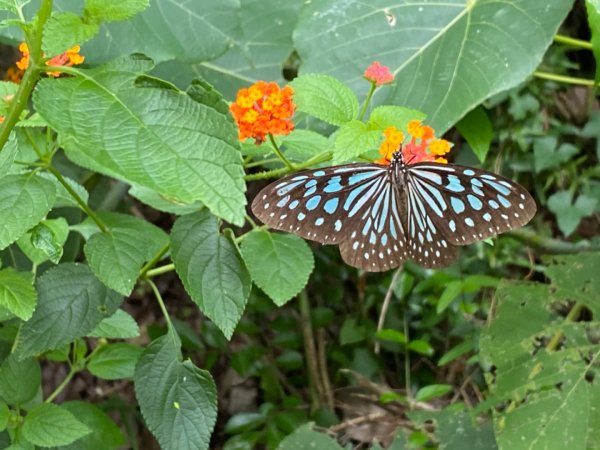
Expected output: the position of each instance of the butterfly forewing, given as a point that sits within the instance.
(324, 205)
(466, 204)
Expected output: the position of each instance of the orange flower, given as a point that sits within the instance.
(423, 146)
(68, 58)
(263, 109)
(13, 74)
(378, 74)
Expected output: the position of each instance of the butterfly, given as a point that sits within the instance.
(383, 215)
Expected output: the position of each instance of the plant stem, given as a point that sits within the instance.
(385, 306)
(150, 264)
(61, 386)
(311, 352)
(317, 159)
(559, 38)
(571, 316)
(161, 303)
(160, 270)
(563, 78)
(279, 154)
(261, 162)
(365, 105)
(407, 362)
(549, 245)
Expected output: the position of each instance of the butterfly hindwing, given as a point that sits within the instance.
(323, 205)
(466, 205)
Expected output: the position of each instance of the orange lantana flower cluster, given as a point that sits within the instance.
(262, 109)
(68, 58)
(423, 146)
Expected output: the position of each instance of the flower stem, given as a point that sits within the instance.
(563, 78)
(161, 304)
(279, 153)
(159, 270)
(317, 159)
(559, 38)
(365, 105)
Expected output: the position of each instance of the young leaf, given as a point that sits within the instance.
(71, 302)
(385, 116)
(432, 391)
(45, 241)
(65, 30)
(210, 268)
(19, 380)
(569, 214)
(24, 201)
(353, 139)
(477, 130)
(17, 293)
(177, 399)
(105, 435)
(117, 256)
(420, 346)
(455, 352)
(114, 361)
(279, 264)
(118, 326)
(149, 133)
(326, 98)
(111, 10)
(49, 425)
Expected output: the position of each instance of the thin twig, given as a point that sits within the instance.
(385, 306)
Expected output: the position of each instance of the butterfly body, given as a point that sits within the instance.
(381, 216)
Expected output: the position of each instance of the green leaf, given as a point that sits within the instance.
(162, 203)
(388, 334)
(19, 380)
(210, 268)
(49, 425)
(421, 347)
(279, 264)
(385, 116)
(447, 57)
(65, 30)
(325, 98)
(71, 302)
(569, 214)
(351, 332)
(45, 241)
(353, 139)
(17, 293)
(546, 155)
(4, 416)
(477, 130)
(24, 201)
(105, 435)
(301, 145)
(453, 289)
(114, 361)
(432, 391)
(146, 132)
(63, 198)
(177, 399)
(305, 438)
(111, 10)
(117, 256)
(544, 364)
(593, 15)
(118, 326)
(455, 352)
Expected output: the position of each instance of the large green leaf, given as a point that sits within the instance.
(145, 131)
(71, 302)
(545, 365)
(49, 425)
(279, 264)
(105, 433)
(114, 361)
(17, 294)
(24, 201)
(211, 269)
(19, 380)
(177, 399)
(118, 326)
(116, 256)
(447, 56)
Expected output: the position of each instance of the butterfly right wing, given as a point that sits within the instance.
(323, 205)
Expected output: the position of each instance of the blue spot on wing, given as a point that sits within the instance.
(454, 184)
(331, 205)
(313, 202)
(457, 205)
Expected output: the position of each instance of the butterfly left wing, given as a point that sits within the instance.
(466, 205)
(324, 205)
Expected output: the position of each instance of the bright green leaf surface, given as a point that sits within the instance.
(148, 133)
(118, 326)
(279, 264)
(19, 380)
(17, 293)
(447, 57)
(24, 201)
(71, 302)
(117, 256)
(420, 346)
(45, 241)
(353, 139)
(111, 10)
(177, 399)
(105, 435)
(476, 128)
(326, 98)
(49, 425)
(115, 361)
(432, 391)
(211, 269)
(390, 115)
(65, 30)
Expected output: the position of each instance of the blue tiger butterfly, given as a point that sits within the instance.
(381, 216)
